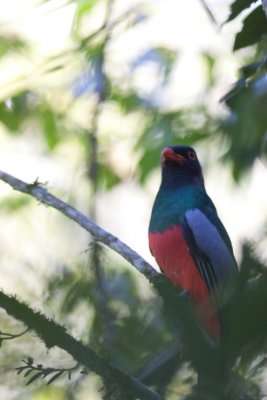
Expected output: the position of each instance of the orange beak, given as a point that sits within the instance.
(169, 155)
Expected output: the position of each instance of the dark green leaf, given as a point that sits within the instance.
(238, 6)
(56, 376)
(250, 69)
(13, 116)
(254, 28)
(30, 360)
(20, 369)
(28, 372)
(245, 128)
(34, 377)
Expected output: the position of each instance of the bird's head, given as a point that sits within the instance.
(180, 164)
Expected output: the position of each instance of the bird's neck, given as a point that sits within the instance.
(174, 178)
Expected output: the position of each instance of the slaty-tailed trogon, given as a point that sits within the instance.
(187, 238)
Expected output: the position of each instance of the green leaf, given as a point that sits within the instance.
(107, 177)
(238, 6)
(13, 116)
(56, 376)
(28, 372)
(84, 7)
(210, 63)
(14, 203)
(245, 129)
(128, 101)
(168, 129)
(21, 369)
(10, 44)
(254, 28)
(34, 377)
(149, 161)
(49, 121)
(30, 360)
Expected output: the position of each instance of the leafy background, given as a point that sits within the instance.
(90, 92)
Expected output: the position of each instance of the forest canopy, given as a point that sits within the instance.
(91, 91)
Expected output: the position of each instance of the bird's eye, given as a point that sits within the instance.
(192, 155)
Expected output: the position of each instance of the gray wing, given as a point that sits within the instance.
(210, 250)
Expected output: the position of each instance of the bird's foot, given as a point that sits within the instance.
(183, 294)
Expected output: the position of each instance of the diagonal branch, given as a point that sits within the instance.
(54, 334)
(37, 190)
(209, 12)
(178, 309)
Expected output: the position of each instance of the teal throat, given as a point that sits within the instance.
(171, 205)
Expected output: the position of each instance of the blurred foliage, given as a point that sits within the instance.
(245, 128)
(13, 203)
(11, 43)
(254, 28)
(116, 316)
(254, 25)
(30, 108)
(166, 129)
(123, 326)
(247, 102)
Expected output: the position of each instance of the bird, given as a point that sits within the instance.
(188, 240)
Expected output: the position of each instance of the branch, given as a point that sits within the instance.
(107, 28)
(178, 308)
(209, 12)
(10, 336)
(37, 190)
(54, 334)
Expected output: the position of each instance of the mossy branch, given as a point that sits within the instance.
(53, 334)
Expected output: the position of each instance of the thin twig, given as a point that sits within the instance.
(38, 191)
(10, 336)
(210, 13)
(33, 372)
(102, 299)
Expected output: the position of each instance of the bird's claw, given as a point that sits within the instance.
(183, 294)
